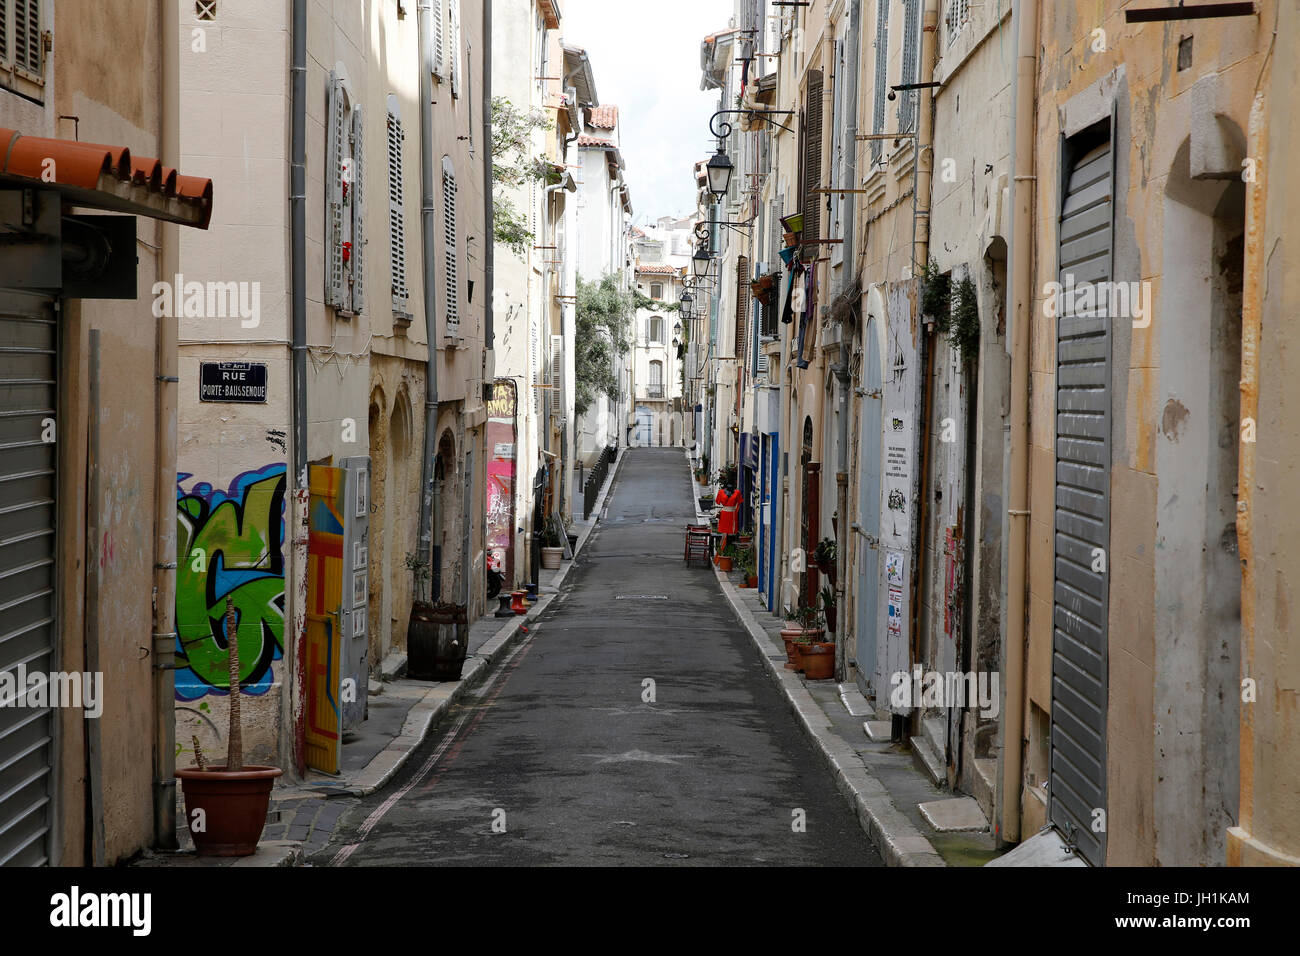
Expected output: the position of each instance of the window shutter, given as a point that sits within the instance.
(453, 54)
(557, 375)
(911, 32)
(742, 304)
(439, 41)
(335, 287)
(358, 214)
(451, 284)
(882, 53)
(396, 214)
(778, 233)
(812, 200)
(22, 48)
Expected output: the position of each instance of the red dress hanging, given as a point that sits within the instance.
(729, 517)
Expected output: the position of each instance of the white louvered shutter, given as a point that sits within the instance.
(451, 284)
(557, 375)
(453, 54)
(335, 284)
(911, 64)
(397, 215)
(358, 213)
(439, 41)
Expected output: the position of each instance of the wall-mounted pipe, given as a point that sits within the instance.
(428, 232)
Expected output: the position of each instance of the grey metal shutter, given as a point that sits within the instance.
(439, 44)
(451, 284)
(882, 59)
(358, 263)
(911, 64)
(557, 375)
(1082, 510)
(28, 398)
(335, 284)
(396, 211)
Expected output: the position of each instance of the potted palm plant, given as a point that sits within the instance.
(802, 628)
(747, 565)
(226, 806)
(828, 606)
(727, 557)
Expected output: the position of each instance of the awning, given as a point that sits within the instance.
(105, 177)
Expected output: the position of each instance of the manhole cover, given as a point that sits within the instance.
(642, 597)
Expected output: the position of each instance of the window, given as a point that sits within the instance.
(656, 330)
(22, 51)
(656, 290)
(882, 55)
(656, 389)
(451, 286)
(345, 201)
(911, 64)
(396, 210)
(957, 17)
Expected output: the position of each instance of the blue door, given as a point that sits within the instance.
(868, 557)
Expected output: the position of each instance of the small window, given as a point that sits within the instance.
(957, 17)
(656, 290)
(656, 334)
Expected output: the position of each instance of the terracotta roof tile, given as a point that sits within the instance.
(658, 270)
(585, 140)
(109, 177)
(603, 117)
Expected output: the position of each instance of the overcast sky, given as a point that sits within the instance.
(646, 61)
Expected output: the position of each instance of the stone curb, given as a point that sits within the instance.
(900, 843)
(429, 710)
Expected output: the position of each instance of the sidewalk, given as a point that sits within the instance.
(401, 714)
(878, 778)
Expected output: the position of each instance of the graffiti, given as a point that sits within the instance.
(896, 501)
(229, 543)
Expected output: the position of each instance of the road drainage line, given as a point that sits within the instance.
(380, 811)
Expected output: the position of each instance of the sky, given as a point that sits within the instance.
(646, 61)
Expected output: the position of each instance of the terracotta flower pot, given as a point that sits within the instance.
(234, 807)
(818, 660)
(724, 563)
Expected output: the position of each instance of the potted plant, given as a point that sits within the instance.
(816, 657)
(746, 564)
(824, 556)
(802, 627)
(727, 476)
(226, 806)
(552, 549)
(726, 558)
(828, 606)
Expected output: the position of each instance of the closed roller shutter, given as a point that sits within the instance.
(28, 396)
(1082, 507)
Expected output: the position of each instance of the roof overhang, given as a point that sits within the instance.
(577, 74)
(105, 177)
(550, 13)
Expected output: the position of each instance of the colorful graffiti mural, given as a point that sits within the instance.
(229, 543)
(501, 439)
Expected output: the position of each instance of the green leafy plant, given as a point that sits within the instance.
(603, 315)
(727, 476)
(964, 329)
(746, 560)
(512, 133)
(936, 295)
(808, 617)
(418, 565)
(827, 596)
(551, 537)
(825, 552)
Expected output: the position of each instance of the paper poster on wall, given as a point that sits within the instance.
(894, 569)
(895, 612)
(895, 511)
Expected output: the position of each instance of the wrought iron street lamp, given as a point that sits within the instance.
(719, 171)
(700, 262)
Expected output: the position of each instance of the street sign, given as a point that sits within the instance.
(240, 382)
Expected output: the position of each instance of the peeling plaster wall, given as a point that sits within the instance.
(1149, 676)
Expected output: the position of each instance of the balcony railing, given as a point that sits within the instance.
(654, 391)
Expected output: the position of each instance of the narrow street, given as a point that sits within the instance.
(558, 759)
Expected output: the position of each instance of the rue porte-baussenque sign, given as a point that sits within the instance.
(232, 382)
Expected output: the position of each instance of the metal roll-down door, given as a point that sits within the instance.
(1082, 507)
(28, 396)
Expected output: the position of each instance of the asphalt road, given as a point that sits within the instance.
(560, 759)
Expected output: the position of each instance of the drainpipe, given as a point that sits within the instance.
(921, 182)
(164, 575)
(298, 238)
(489, 214)
(428, 227)
(1025, 19)
(851, 144)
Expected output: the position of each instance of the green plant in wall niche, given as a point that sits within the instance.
(964, 327)
(936, 295)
